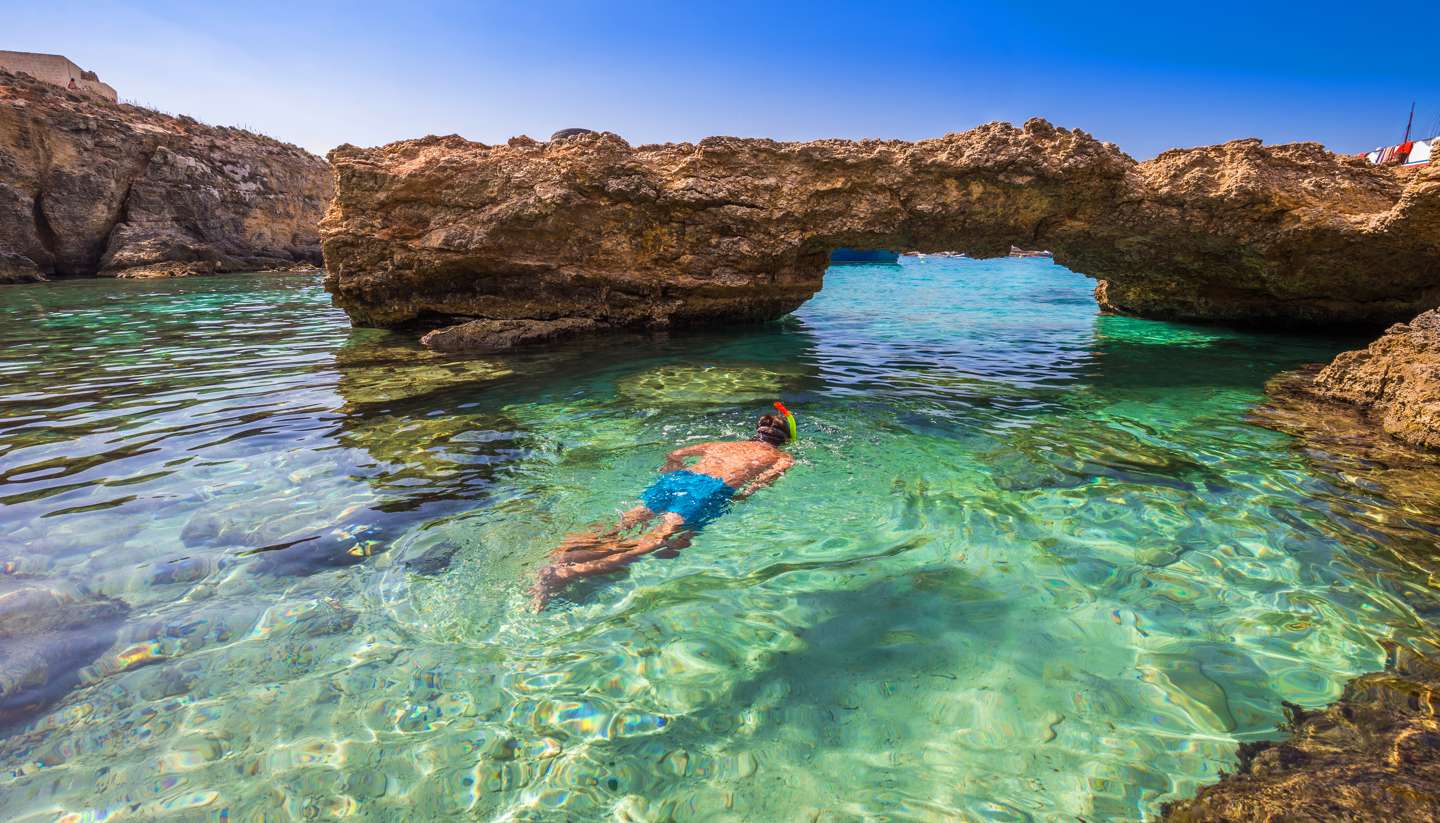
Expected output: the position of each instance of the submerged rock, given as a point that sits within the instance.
(498, 335)
(1371, 418)
(48, 632)
(89, 186)
(298, 542)
(728, 229)
(1341, 442)
(1372, 755)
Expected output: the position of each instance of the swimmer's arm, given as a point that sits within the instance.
(676, 459)
(766, 477)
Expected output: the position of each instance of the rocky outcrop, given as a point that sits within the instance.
(588, 228)
(1373, 754)
(1342, 442)
(1395, 381)
(93, 187)
(17, 268)
(1372, 412)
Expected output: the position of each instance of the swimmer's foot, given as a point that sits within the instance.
(549, 580)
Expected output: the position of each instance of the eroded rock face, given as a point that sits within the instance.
(443, 230)
(92, 187)
(1395, 381)
(1373, 754)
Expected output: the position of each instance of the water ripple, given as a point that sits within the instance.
(1032, 565)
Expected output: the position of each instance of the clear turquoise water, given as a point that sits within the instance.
(1032, 564)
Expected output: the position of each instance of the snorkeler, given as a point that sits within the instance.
(684, 499)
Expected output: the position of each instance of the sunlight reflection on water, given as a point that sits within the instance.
(1032, 564)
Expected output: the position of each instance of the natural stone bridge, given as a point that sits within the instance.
(588, 232)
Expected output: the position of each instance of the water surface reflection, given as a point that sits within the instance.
(1034, 563)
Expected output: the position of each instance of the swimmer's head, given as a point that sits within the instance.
(772, 429)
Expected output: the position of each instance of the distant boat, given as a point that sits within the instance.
(1407, 152)
(874, 257)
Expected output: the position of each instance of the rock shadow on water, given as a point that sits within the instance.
(1130, 352)
(890, 630)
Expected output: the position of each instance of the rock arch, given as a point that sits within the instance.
(536, 240)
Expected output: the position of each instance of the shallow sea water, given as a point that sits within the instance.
(1032, 562)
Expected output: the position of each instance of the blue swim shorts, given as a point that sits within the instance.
(697, 498)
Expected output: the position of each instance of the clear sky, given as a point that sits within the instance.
(1145, 75)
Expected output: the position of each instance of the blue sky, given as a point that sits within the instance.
(1146, 75)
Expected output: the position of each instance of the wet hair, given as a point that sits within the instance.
(772, 429)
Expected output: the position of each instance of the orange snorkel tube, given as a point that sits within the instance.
(789, 418)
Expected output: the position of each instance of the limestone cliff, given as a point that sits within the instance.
(93, 187)
(589, 229)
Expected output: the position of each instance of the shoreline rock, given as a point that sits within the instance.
(1342, 443)
(1372, 754)
(17, 268)
(1395, 381)
(157, 271)
(89, 187)
(441, 230)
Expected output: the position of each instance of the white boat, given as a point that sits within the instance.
(1407, 152)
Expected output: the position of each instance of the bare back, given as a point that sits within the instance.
(736, 462)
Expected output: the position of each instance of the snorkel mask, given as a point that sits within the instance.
(789, 418)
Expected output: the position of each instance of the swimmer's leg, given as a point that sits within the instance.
(587, 541)
(619, 554)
